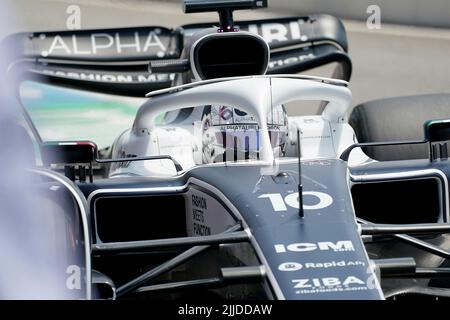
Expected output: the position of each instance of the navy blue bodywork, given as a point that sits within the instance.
(320, 256)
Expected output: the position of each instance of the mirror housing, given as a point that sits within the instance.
(68, 152)
(437, 132)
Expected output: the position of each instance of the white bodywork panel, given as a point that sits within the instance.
(325, 136)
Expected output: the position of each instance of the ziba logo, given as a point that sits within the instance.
(323, 246)
(331, 282)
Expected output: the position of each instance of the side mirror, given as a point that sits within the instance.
(69, 154)
(437, 132)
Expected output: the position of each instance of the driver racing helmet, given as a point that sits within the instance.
(229, 134)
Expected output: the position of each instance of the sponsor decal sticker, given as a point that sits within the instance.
(291, 60)
(108, 77)
(279, 32)
(97, 43)
(296, 266)
(339, 246)
(328, 284)
(199, 204)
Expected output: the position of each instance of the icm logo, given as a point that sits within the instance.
(323, 246)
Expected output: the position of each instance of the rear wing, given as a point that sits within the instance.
(115, 61)
(287, 32)
(111, 61)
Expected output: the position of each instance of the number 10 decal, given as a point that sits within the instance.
(280, 204)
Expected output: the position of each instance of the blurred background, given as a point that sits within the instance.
(408, 55)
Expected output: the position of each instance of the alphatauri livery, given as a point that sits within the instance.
(216, 192)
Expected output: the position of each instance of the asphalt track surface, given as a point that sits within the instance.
(393, 61)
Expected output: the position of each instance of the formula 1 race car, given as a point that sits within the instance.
(216, 190)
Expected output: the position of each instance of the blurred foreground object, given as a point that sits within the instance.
(41, 242)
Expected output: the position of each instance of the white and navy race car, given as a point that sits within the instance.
(228, 196)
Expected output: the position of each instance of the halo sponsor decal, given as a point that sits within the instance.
(225, 113)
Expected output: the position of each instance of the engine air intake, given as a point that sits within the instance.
(230, 55)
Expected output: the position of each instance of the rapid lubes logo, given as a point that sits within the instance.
(296, 266)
